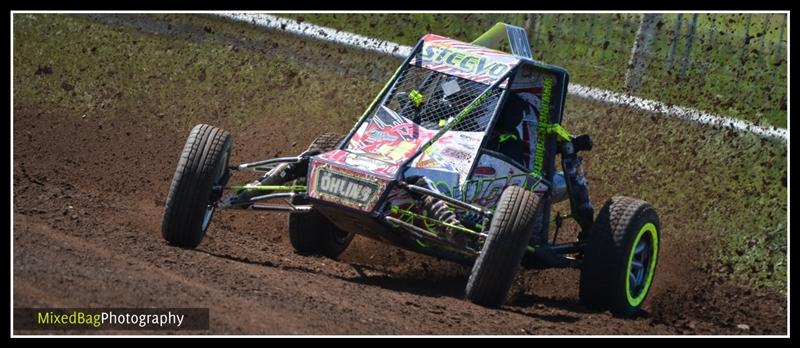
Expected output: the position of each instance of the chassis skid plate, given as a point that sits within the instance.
(340, 185)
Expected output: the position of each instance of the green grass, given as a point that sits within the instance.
(708, 185)
(757, 259)
(105, 71)
(595, 48)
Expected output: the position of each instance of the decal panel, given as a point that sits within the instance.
(351, 188)
(464, 60)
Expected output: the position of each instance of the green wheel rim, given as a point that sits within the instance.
(641, 264)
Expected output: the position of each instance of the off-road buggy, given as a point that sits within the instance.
(454, 158)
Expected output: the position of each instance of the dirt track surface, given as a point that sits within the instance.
(88, 201)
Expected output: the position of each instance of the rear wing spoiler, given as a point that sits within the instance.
(517, 39)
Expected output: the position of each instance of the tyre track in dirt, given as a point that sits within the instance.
(246, 272)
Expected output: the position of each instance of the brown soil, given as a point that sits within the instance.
(88, 200)
(87, 233)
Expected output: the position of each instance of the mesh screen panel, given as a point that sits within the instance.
(443, 98)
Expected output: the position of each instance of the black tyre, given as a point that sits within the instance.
(325, 142)
(509, 232)
(620, 258)
(191, 202)
(312, 233)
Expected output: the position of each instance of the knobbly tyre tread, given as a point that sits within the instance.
(325, 142)
(607, 250)
(510, 230)
(190, 190)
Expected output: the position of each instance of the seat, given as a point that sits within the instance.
(505, 137)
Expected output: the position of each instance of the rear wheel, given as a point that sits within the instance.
(192, 197)
(620, 257)
(509, 232)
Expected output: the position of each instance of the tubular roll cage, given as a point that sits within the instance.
(553, 252)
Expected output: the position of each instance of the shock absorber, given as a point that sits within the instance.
(577, 185)
(439, 210)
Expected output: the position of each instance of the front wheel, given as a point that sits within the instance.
(312, 233)
(192, 197)
(509, 232)
(620, 257)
